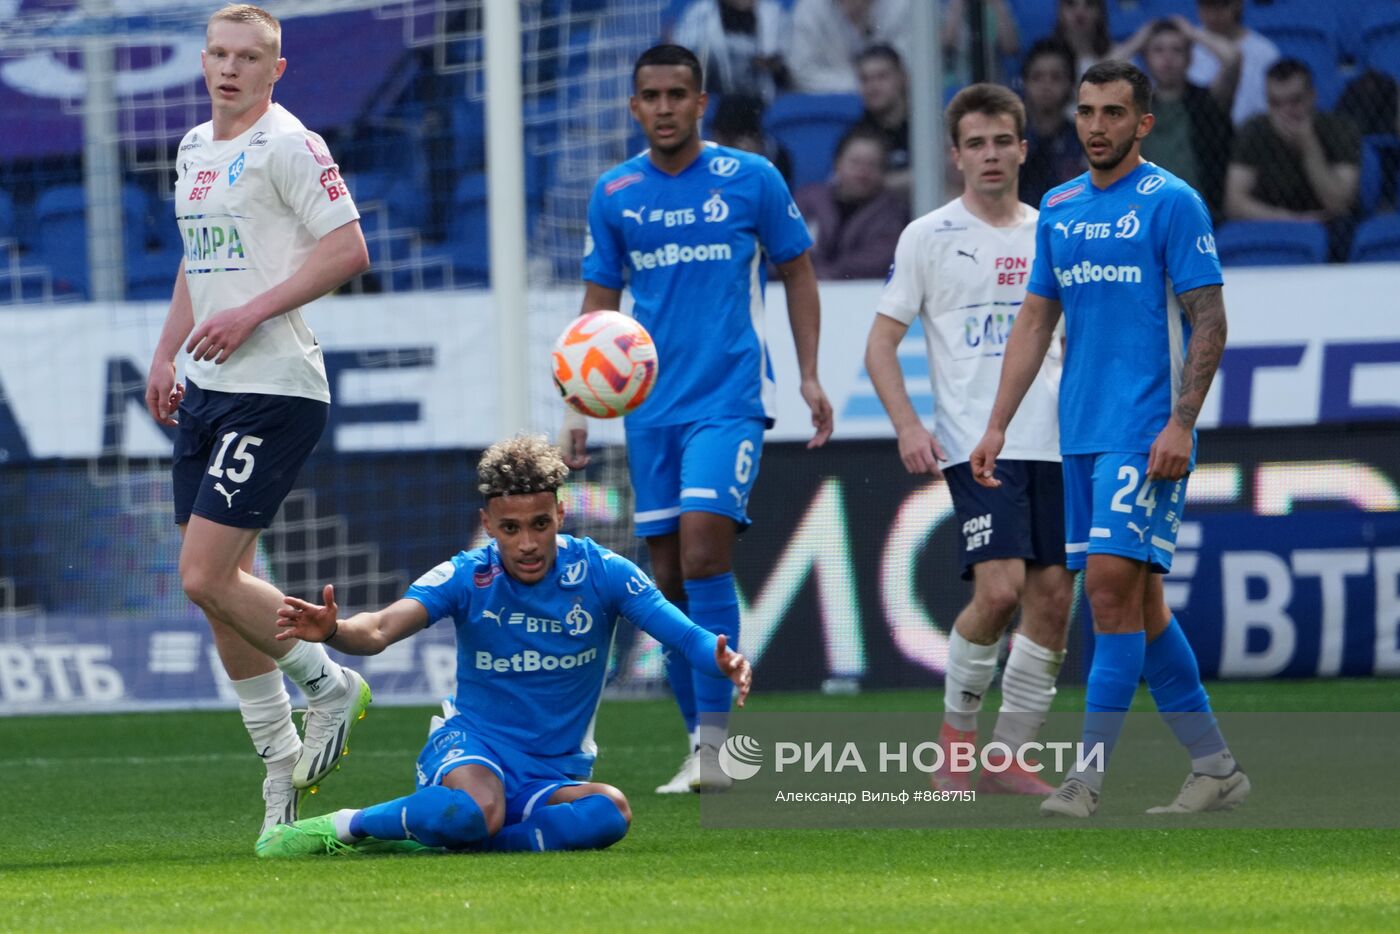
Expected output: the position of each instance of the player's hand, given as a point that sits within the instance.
(822, 419)
(920, 451)
(223, 333)
(1170, 454)
(984, 458)
(735, 667)
(573, 440)
(308, 622)
(163, 394)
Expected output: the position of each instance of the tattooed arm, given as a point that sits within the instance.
(1171, 452)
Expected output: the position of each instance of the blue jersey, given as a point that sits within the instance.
(531, 658)
(691, 247)
(1115, 260)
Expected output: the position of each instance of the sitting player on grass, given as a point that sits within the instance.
(534, 612)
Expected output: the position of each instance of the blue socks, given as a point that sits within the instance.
(433, 816)
(1113, 680)
(1174, 679)
(714, 607)
(589, 823)
(681, 678)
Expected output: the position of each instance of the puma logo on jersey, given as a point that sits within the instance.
(638, 215)
(1141, 533)
(487, 614)
(1063, 228)
(219, 488)
(972, 256)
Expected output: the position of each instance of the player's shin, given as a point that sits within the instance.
(267, 715)
(434, 816)
(1174, 679)
(681, 678)
(971, 668)
(714, 607)
(592, 822)
(1113, 680)
(1027, 691)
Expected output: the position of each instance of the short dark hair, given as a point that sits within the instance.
(738, 115)
(668, 54)
(857, 133)
(880, 50)
(1052, 46)
(1286, 68)
(1164, 25)
(1114, 70)
(989, 99)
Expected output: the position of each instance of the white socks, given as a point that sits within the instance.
(1027, 690)
(971, 668)
(267, 715)
(312, 670)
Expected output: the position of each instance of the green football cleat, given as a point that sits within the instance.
(314, 836)
(376, 846)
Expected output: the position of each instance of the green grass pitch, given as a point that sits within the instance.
(146, 822)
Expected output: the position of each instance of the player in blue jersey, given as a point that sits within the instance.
(1127, 252)
(689, 228)
(534, 613)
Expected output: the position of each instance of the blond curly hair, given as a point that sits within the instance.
(521, 465)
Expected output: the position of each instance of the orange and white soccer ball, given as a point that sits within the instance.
(605, 364)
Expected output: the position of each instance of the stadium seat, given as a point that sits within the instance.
(60, 216)
(1035, 18)
(398, 198)
(1380, 172)
(23, 286)
(1377, 240)
(1380, 37)
(810, 125)
(8, 226)
(468, 239)
(1309, 34)
(1271, 243)
(151, 276)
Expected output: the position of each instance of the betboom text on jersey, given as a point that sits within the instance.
(1086, 271)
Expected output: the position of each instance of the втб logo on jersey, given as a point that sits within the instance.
(1092, 272)
(674, 253)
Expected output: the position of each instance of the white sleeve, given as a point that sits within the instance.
(309, 182)
(904, 294)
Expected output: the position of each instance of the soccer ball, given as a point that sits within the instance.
(605, 364)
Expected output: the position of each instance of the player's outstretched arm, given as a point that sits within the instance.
(805, 317)
(1025, 351)
(337, 257)
(362, 634)
(735, 667)
(1170, 454)
(163, 393)
(919, 450)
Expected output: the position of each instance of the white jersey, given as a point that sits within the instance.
(251, 210)
(966, 280)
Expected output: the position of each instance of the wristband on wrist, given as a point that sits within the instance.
(335, 628)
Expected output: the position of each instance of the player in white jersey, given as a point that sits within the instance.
(268, 226)
(963, 270)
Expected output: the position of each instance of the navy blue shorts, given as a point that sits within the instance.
(1023, 518)
(237, 454)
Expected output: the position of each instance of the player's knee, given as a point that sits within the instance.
(201, 586)
(453, 820)
(618, 799)
(605, 819)
(997, 599)
(699, 561)
(493, 814)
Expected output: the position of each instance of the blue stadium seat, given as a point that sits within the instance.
(1378, 153)
(151, 276)
(398, 197)
(1377, 240)
(468, 239)
(1271, 243)
(8, 227)
(60, 217)
(810, 125)
(1380, 37)
(1309, 34)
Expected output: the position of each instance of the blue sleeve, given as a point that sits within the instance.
(1190, 244)
(781, 229)
(603, 251)
(1043, 281)
(637, 598)
(440, 590)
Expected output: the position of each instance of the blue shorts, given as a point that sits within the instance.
(705, 466)
(1111, 508)
(1023, 518)
(237, 454)
(528, 782)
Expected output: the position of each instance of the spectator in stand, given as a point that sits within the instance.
(884, 90)
(1225, 19)
(854, 219)
(998, 25)
(740, 44)
(828, 35)
(1294, 163)
(1192, 134)
(1371, 101)
(1083, 26)
(738, 122)
(1053, 152)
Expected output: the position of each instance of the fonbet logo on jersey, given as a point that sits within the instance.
(673, 254)
(1092, 272)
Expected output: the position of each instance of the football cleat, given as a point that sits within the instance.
(1207, 793)
(1072, 799)
(709, 777)
(314, 836)
(280, 798)
(945, 778)
(328, 731)
(1014, 780)
(680, 783)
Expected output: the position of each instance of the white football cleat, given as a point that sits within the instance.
(1072, 799)
(680, 784)
(709, 776)
(280, 798)
(328, 730)
(1207, 793)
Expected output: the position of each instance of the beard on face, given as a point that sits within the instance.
(1110, 161)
